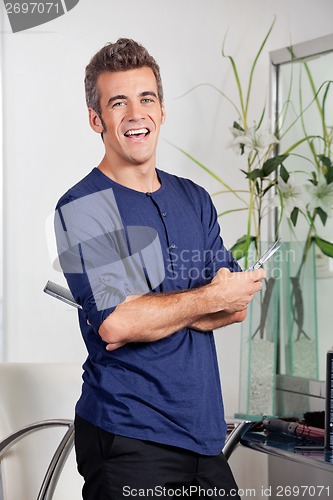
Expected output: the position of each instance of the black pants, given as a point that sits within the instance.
(116, 467)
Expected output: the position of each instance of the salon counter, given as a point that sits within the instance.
(293, 469)
(290, 448)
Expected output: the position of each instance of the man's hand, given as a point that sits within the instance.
(234, 291)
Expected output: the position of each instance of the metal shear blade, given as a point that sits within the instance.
(265, 256)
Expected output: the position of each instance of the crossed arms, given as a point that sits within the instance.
(149, 318)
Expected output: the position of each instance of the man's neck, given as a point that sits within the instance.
(142, 178)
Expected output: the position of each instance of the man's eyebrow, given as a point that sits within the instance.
(148, 92)
(118, 97)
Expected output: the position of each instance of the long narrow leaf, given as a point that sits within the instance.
(210, 172)
(297, 143)
(309, 141)
(231, 211)
(288, 102)
(303, 111)
(228, 192)
(323, 106)
(316, 96)
(254, 65)
(261, 117)
(215, 88)
(236, 75)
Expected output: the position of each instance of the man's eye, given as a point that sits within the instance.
(119, 103)
(147, 100)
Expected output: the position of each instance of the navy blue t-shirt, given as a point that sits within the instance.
(113, 242)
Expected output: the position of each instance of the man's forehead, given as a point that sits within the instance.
(139, 79)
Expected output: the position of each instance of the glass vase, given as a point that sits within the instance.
(259, 347)
(298, 312)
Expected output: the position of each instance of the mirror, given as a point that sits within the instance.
(300, 76)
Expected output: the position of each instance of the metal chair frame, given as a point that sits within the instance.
(59, 457)
(66, 444)
(235, 436)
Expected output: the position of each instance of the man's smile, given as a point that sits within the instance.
(139, 133)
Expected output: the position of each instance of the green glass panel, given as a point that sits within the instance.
(298, 312)
(259, 347)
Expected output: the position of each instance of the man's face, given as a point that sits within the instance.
(131, 116)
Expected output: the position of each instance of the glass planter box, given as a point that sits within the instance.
(298, 312)
(259, 347)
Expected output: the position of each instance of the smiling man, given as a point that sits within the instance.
(130, 123)
(142, 253)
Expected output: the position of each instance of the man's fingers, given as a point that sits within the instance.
(258, 274)
(114, 346)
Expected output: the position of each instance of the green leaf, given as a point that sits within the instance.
(254, 174)
(261, 118)
(257, 187)
(329, 175)
(236, 75)
(284, 174)
(314, 179)
(270, 185)
(325, 161)
(272, 164)
(210, 172)
(322, 215)
(241, 247)
(254, 65)
(231, 211)
(325, 246)
(294, 216)
(291, 52)
(238, 126)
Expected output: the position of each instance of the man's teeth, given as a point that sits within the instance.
(137, 132)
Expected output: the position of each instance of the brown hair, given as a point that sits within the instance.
(122, 55)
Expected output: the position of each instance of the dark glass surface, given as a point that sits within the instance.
(290, 448)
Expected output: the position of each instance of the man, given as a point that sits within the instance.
(142, 254)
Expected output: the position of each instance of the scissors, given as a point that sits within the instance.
(265, 256)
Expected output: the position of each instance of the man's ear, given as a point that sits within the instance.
(95, 121)
(163, 112)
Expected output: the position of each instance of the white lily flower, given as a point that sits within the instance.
(252, 139)
(234, 143)
(292, 195)
(321, 195)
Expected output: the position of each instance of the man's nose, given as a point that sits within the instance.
(134, 111)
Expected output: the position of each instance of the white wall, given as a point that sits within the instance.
(48, 144)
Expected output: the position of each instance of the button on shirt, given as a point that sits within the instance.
(113, 242)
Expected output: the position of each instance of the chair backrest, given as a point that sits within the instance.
(31, 393)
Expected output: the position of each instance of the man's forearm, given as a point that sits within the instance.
(153, 317)
(217, 320)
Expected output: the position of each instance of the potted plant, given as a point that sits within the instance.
(272, 192)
